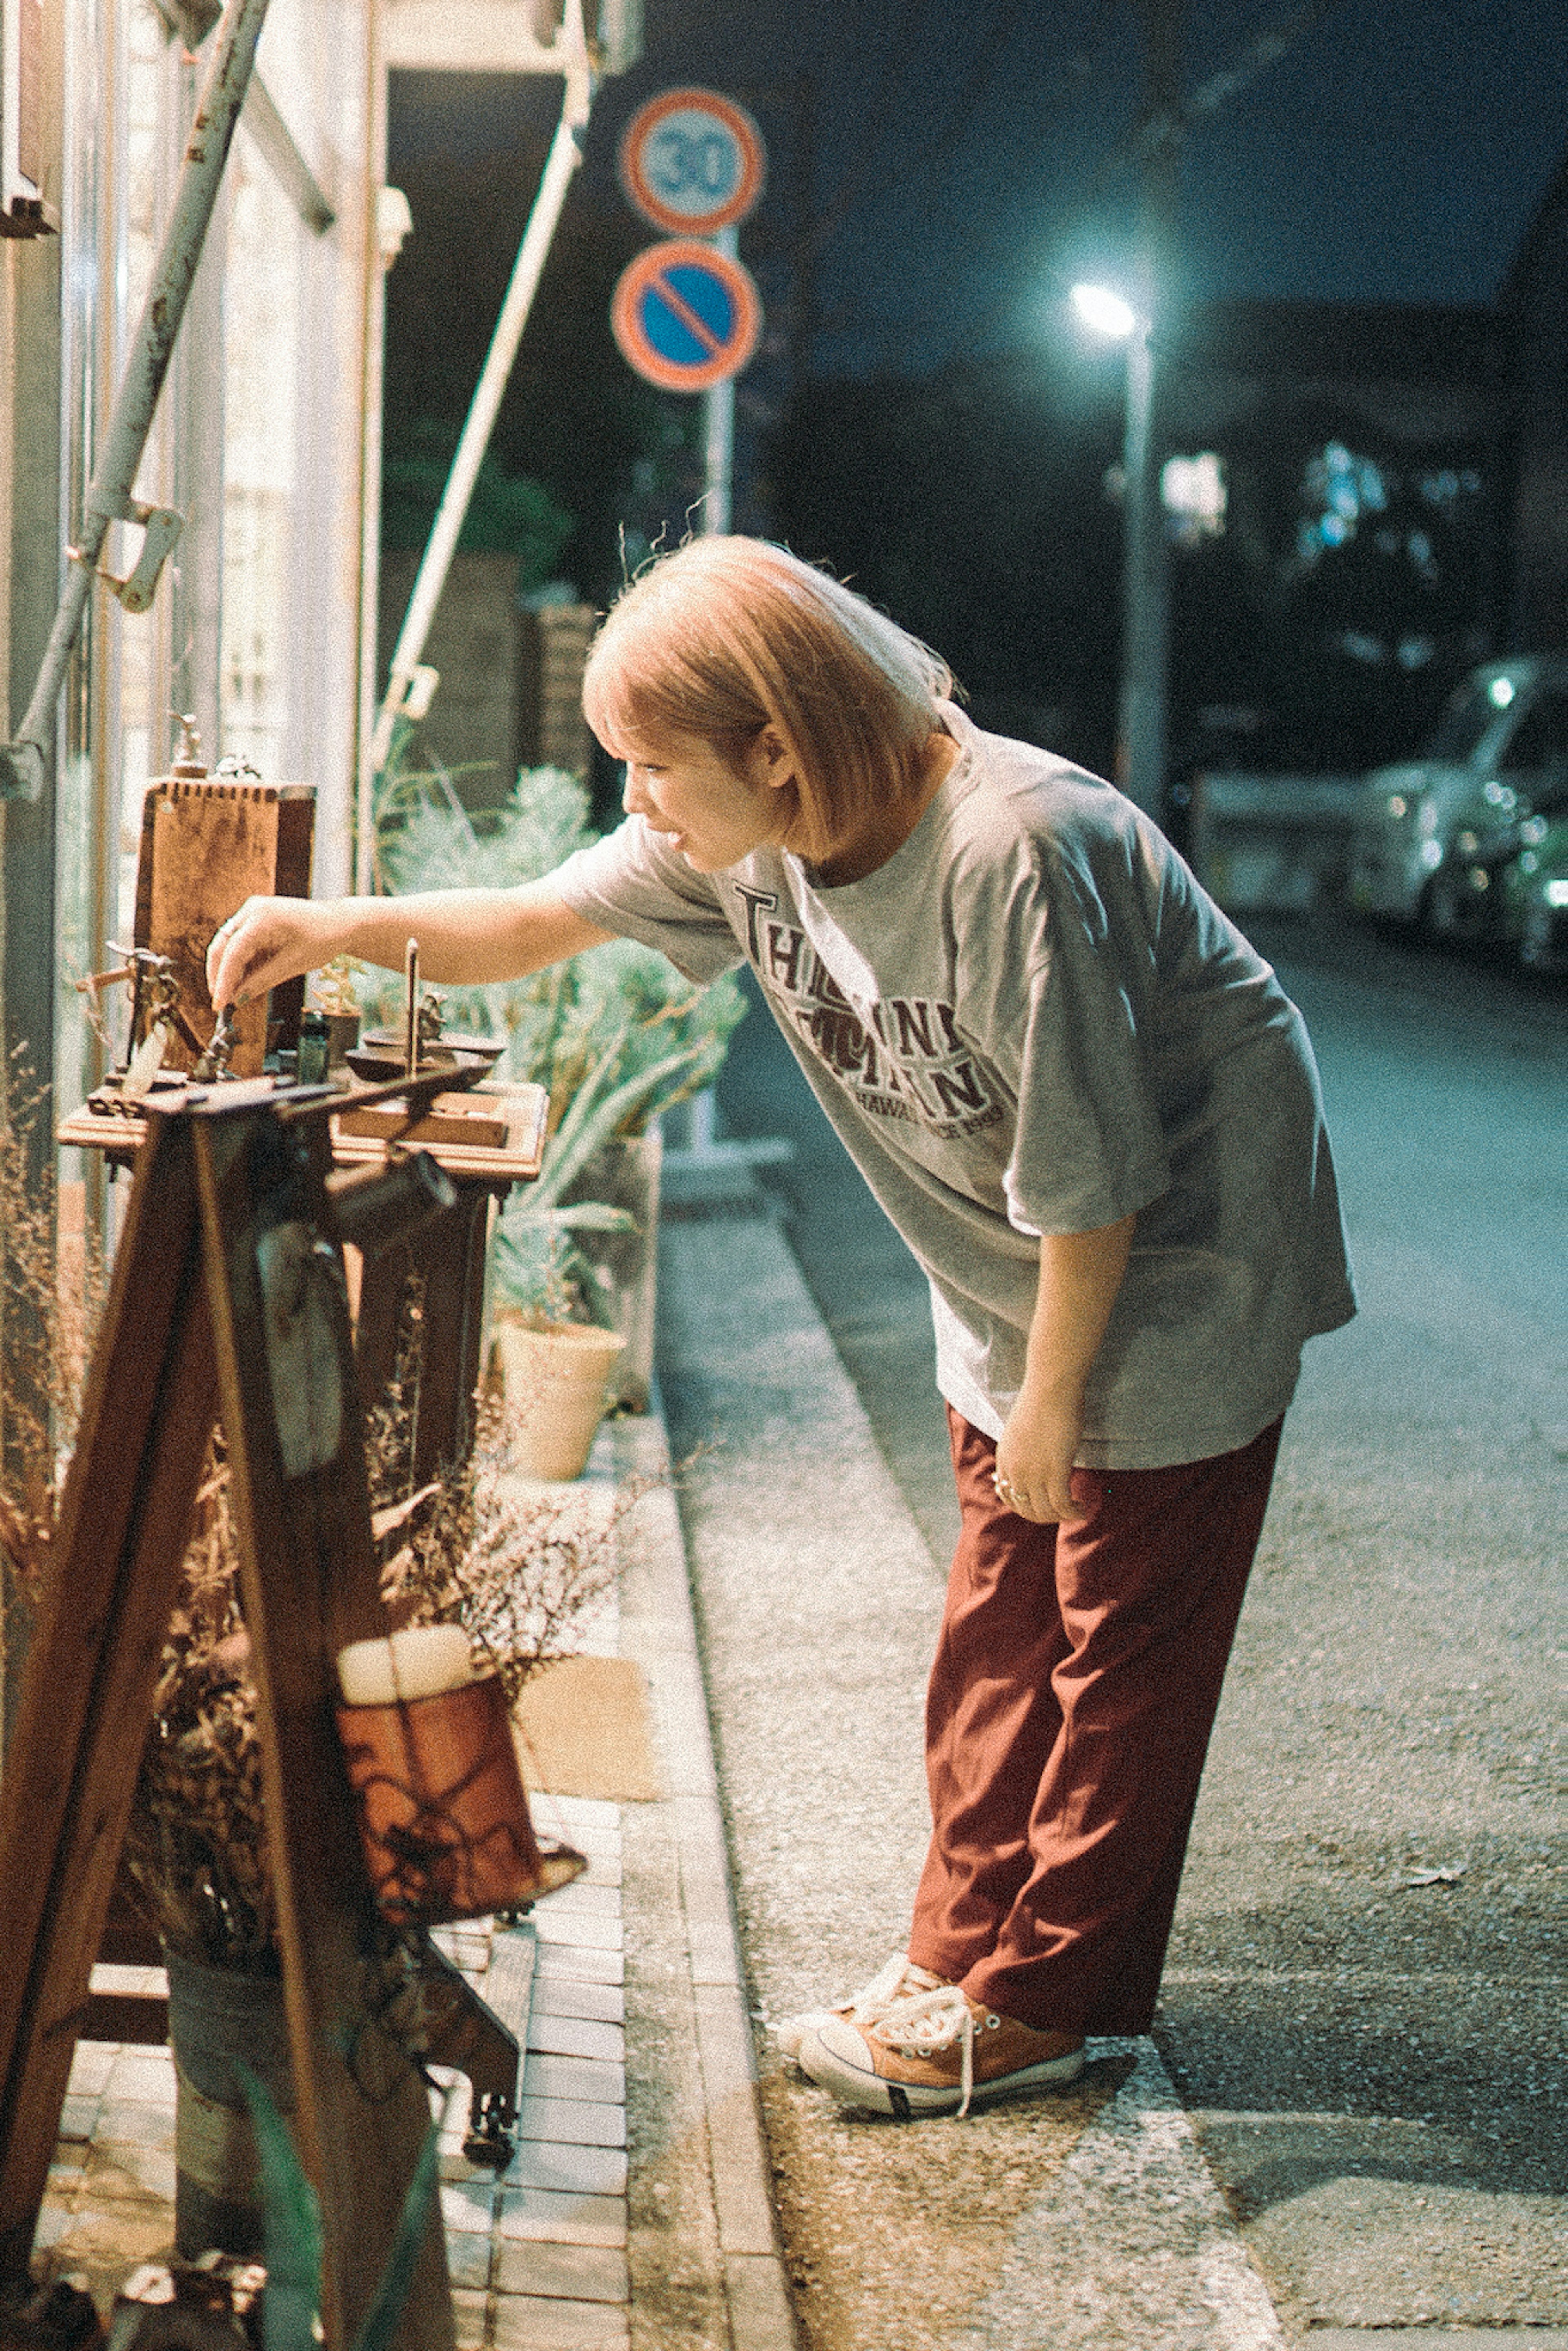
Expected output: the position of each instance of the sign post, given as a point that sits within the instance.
(688, 315)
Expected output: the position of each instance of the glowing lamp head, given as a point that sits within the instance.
(1106, 312)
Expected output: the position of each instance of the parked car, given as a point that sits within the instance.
(1429, 835)
(1537, 890)
(1480, 894)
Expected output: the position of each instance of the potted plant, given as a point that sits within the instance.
(617, 1035)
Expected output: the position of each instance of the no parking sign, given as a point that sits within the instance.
(685, 315)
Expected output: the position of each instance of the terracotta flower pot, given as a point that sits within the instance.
(625, 1175)
(443, 1814)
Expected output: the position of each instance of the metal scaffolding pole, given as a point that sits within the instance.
(1146, 627)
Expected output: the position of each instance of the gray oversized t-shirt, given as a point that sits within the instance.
(1033, 1019)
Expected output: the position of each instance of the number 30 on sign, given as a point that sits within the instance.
(692, 161)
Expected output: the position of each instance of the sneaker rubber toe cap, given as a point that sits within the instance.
(792, 2030)
(835, 2054)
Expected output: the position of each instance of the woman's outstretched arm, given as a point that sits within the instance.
(467, 937)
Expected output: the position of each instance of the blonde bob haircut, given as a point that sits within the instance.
(726, 636)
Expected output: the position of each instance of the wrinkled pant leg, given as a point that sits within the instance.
(1135, 1635)
(992, 1716)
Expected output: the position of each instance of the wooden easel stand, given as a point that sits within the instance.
(228, 1301)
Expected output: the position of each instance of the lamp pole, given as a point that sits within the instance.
(1145, 640)
(1140, 758)
(1145, 608)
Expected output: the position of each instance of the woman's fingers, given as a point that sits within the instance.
(262, 944)
(1033, 1472)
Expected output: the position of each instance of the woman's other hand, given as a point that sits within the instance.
(1035, 1454)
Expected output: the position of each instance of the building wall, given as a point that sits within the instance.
(472, 728)
(1535, 305)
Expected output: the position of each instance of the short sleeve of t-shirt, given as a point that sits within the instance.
(1088, 1148)
(630, 883)
(1054, 969)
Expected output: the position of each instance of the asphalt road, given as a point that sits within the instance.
(1364, 2003)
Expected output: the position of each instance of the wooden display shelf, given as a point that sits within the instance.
(523, 1108)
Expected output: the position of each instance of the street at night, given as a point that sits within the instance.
(1361, 2009)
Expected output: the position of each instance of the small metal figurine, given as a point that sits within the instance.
(214, 1062)
(427, 1022)
(187, 761)
(154, 1012)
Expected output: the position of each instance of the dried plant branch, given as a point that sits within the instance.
(517, 1566)
(49, 1310)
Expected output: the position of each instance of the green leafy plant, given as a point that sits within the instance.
(291, 2310)
(616, 1035)
(508, 514)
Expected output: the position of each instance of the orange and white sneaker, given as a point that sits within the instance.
(938, 2052)
(899, 1979)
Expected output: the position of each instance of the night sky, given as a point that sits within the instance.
(969, 161)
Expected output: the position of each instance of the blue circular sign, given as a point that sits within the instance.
(685, 315)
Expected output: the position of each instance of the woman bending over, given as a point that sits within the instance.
(1094, 1117)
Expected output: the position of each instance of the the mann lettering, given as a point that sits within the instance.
(843, 1044)
(958, 1088)
(783, 956)
(912, 1018)
(887, 1056)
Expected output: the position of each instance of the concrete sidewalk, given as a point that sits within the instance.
(640, 2206)
(1088, 2219)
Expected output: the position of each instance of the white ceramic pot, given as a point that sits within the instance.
(559, 1375)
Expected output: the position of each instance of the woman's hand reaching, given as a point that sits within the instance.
(269, 940)
(465, 937)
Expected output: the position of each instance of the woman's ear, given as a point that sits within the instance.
(768, 760)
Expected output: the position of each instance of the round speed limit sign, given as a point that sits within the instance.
(692, 161)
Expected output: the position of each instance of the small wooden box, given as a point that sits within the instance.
(452, 1118)
(207, 844)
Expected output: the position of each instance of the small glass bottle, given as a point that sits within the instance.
(315, 1041)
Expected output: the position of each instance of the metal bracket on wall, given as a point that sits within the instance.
(161, 527)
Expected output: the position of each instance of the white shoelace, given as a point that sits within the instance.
(898, 1981)
(929, 2023)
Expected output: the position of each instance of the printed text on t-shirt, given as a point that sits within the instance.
(909, 1063)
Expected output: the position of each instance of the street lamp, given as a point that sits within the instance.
(1140, 708)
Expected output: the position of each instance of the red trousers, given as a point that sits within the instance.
(1075, 1685)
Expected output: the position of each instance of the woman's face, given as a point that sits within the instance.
(714, 812)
